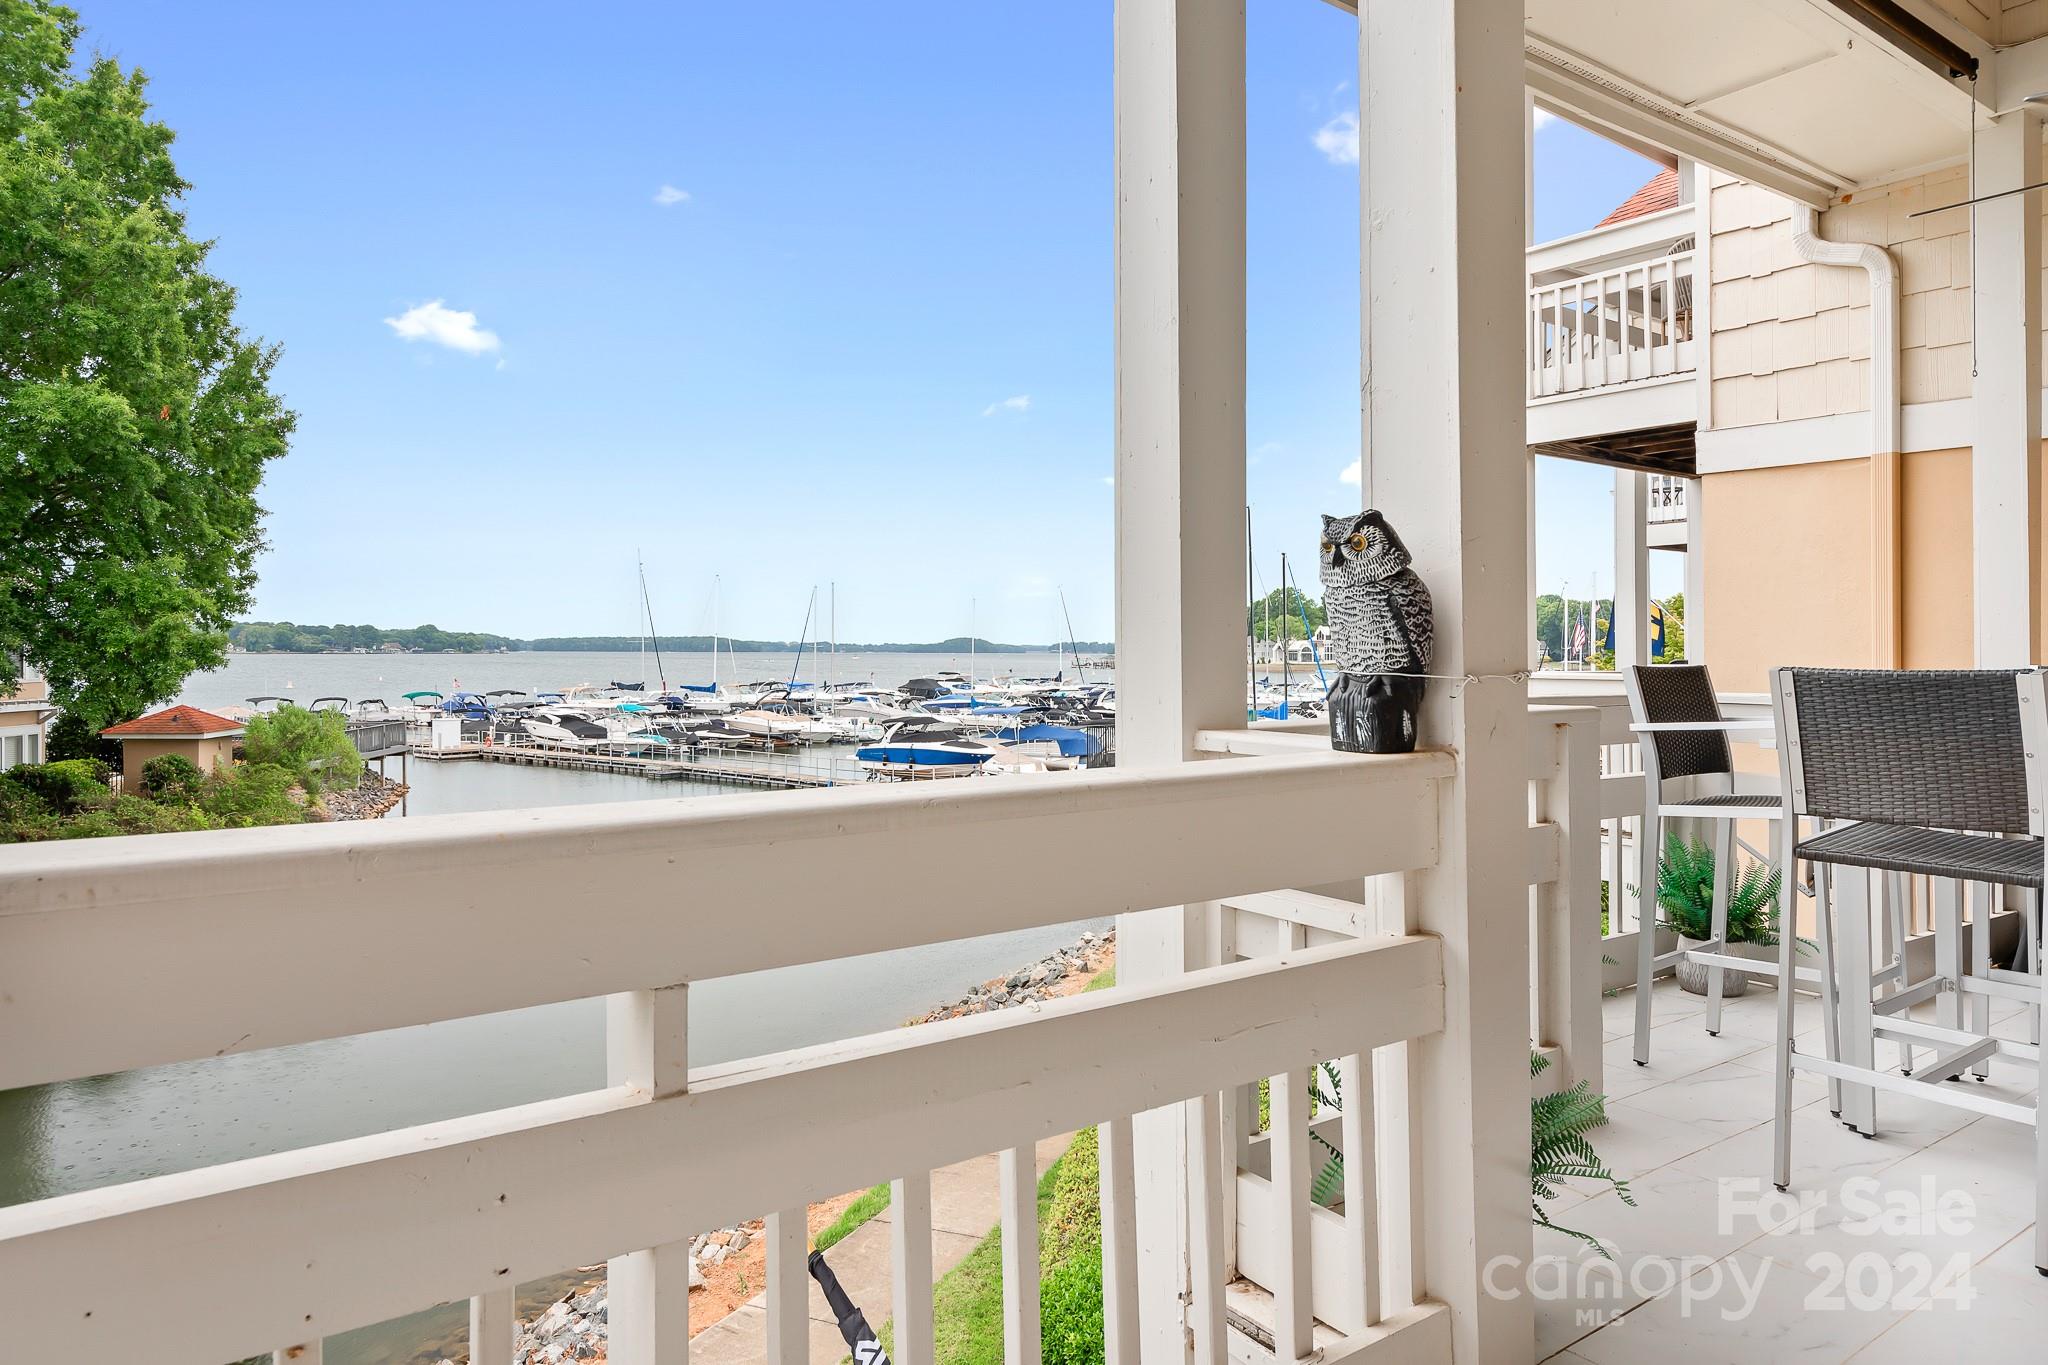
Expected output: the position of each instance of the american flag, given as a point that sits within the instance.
(1579, 639)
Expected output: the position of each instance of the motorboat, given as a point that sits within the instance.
(925, 744)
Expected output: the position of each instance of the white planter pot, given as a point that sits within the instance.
(1692, 976)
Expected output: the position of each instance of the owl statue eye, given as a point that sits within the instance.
(1327, 547)
(1357, 543)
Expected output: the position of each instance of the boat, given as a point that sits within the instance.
(925, 744)
(568, 728)
(770, 725)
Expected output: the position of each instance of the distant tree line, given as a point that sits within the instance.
(286, 637)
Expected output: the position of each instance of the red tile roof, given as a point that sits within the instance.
(1659, 194)
(175, 722)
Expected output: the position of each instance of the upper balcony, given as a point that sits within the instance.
(1611, 346)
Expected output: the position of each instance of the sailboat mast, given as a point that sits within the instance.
(1080, 671)
(834, 672)
(714, 635)
(647, 605)
(1251, 598)
(1284, 661)
(809, 611)
(972, 604)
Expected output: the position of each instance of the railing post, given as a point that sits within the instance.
(910, 1209)
(492, 1320)
(1568, 909)
(1180, 492)
(1018, 1176)
(789, 1288)
(1442, 166)
(647, 1293)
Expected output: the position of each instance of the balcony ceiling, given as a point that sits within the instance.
(1796, 94)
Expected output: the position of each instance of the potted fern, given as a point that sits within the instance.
(1560, 1146)
(1685, 893)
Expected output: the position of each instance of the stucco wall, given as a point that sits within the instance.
(1787, 567)
(1934, 557)
(207, 753)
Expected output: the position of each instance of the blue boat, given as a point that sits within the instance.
(924, 744)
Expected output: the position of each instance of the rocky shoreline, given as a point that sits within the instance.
(573, 1328)
(375, 795)
(1046, 979)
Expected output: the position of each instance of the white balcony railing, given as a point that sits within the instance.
(1616, 325)
(127, 953)
(1667, 499)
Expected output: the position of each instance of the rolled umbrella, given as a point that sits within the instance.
(860, 1338)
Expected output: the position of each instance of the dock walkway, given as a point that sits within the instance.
(739, 774)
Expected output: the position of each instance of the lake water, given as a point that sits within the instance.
(82, 1134)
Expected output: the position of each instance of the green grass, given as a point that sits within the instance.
(875, 1200)
(853, 1215)
(967, 1302)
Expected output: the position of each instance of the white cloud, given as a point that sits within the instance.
(1109, 480)
(443, 326)
(1337, 140)
(1019, 403)
(669, 195)
(1351, 473)
(1544, 118)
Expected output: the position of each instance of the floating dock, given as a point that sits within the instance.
(670, 769)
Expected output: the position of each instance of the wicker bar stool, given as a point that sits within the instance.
(1685, 736)
(1936, 775)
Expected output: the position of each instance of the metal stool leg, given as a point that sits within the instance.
(1855, 1040)
(1948, 954)
(1724, 879)
(1788, 951)
(1648, 835)
(1824, 936)
(1983, 900)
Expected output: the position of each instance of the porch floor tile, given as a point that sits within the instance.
(1911, 1246)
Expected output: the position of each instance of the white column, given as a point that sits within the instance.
(2005, 466)
(1696, 571)
(1631, 568)
(1441, 143)
(647, 1293)
(1179, 498)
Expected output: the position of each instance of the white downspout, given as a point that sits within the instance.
(1883, 271)
(1887, 596)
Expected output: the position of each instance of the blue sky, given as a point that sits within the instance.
(786, 294)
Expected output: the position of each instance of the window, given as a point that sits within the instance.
(10, 751)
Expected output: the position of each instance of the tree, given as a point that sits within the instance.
(312, 746)
(1263, 621)
(135, 417)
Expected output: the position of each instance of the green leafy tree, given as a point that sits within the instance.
(135, 417)
(312, 746)
(1263, 621)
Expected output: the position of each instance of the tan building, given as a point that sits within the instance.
(208, 740)
(25, 713)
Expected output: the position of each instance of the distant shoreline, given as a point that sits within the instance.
(285, 637)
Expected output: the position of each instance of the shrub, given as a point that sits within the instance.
(252, 794)
(66, 787)
(1070, 1309)
(1070, 1258)
(134, 815)
(313, 746)
(173, 779)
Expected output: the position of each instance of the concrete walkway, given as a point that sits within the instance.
(965, 1200)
